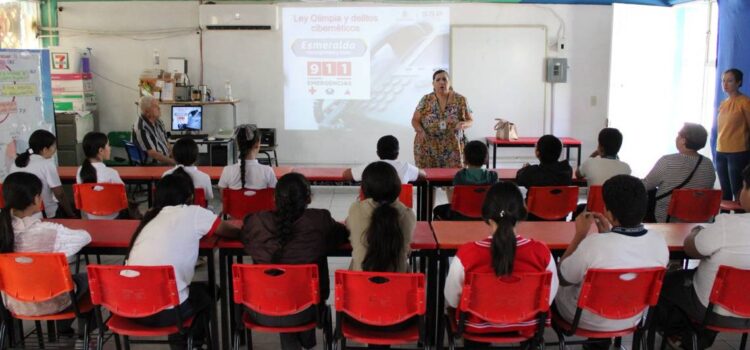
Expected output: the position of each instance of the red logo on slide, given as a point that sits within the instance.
(312, 90)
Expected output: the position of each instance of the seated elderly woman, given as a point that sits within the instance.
(684, 169)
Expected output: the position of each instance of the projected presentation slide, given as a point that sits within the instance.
(346, 66)
(187, 118)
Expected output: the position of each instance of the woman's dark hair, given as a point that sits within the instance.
(292, 197)
(384, 238)
(434, 75)
(247, 136)
(92, 143)
(738, 76)
(39, 140)
(19, 190)
(173, 189)
(185, 151)
(503, 205)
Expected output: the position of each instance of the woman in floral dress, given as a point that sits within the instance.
(439, 121)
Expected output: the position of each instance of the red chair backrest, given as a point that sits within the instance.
(595, 201)
(691, 205)
(35, 277)
(468, 200)
(406, 196)
(276, 290)
(730, 290)
(238, 203)
(379, 298)
(100, 198)
(199, 196)
(133, 291)
(620, 293)
(552, 202)
(506, 299)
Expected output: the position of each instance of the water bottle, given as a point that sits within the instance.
(228, 89)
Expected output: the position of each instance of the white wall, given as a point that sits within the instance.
(252, 61)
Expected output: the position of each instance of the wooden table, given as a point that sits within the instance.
(529, 142)
(112, 237)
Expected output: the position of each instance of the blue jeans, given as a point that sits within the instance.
(729, 167)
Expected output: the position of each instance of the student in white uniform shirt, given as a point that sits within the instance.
(622, 243)
(185, 152)
(170, 234)
(38, 161)
(23, 231)
(388, 149)
(604, 162)
(685, 293)
(247, 173)
(93, 170)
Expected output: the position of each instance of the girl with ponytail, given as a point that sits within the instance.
(503, 253)
(247, 172)
(23, 231)
(93, 170)
(293, 234)
(170, 234)
(380, 226)
(37, 160)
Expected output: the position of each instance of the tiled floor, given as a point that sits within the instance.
(337, 200)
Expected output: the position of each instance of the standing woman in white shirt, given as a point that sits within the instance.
(170, 234)
(93, 170)
(248, 173)
(23, 231)
(38, 160)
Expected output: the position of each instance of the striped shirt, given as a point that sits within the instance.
(151, 136)
(670, 171)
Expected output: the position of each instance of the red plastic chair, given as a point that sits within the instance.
(100, 198)
(552, 202)
(730, 292)
(375, 300)
(38, 277)
(134, 292)
(278, 290)
(614, 294)
(468, 200)
(595, 201)
(503, 300)
(199, 196)
(406, 196)
(238, 203)
(691, 205)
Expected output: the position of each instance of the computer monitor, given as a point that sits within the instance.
(187, 118)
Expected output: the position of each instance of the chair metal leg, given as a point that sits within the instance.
(249, 339)
(39, 334)
(328, 329)
(618, 343)
(126, 340)
(637, 339)
(190, 342)
(342, 343)
(743, 341)
(3, 330)
(118, 345)
(694, 340)
(560, 339)
(86, 335)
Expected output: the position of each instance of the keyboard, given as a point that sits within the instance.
(190, 136)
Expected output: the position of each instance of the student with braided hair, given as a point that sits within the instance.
(247, 172)
(293, 234)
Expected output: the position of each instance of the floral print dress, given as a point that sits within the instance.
(442, 144)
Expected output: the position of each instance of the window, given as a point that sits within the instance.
(18, 24)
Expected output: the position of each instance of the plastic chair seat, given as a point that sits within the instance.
(563, 324)
(84, 306)
(250, 324)
(507, 337)
(126, 326)
(727, 205)
(378, 337)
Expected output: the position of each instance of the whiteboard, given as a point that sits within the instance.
(500, 71)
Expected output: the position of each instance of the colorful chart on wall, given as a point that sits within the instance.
(25, 100)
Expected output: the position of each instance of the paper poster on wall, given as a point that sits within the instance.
(25, 100)
(345, 66)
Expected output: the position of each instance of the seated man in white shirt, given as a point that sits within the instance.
(388, 149)
(622, 242)
(604, 162)
(685, 293)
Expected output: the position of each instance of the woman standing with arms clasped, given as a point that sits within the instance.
(439, 121)
(733, 126)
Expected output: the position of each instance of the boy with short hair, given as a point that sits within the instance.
(475, 156)
(622, 242)
(550, 171)
(604, 162)
(685, 293)
(388, 149)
